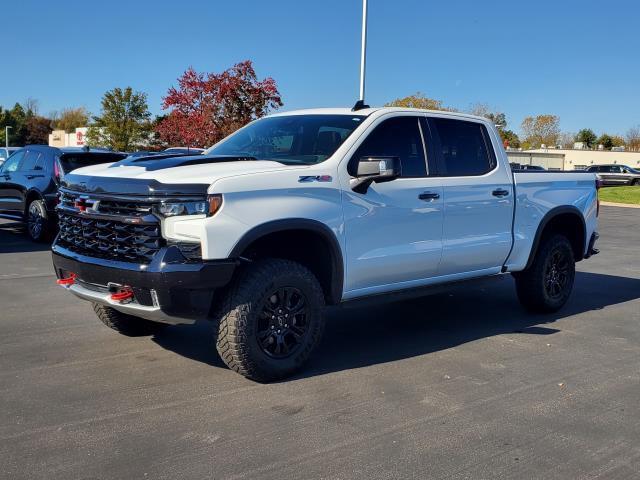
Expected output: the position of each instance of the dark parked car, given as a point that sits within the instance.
(185, 150)
(533, 168)
(29, 182)
(616, 174)
(525, 167)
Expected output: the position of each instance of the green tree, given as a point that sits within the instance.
(541, 130)
(124, 122)
(618, 141)
(606, 141)
(71, 118)
(509, 138)
(499, 119)
(419, 100)
(587, 137)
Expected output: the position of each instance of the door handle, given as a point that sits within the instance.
(31, 177)
(500, 192)
(429, 196)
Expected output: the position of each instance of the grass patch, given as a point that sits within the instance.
(620, 194)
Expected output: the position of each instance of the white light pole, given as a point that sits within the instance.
(363, 55)
(363, 59)
(6, 137)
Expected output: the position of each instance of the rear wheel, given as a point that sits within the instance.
(271, 320)
(126, 324)
(635, 182)
(547, 284)
(39, 227)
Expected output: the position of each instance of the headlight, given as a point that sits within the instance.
(202, 207)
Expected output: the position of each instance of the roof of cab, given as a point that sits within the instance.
(374, 110)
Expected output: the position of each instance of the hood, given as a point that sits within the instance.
(192, 169)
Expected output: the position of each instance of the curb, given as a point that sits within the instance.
(623, 205)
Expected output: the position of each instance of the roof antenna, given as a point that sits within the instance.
(363, 60)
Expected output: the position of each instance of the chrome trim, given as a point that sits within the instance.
(132, 308)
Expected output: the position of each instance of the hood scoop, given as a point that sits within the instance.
(150, 164)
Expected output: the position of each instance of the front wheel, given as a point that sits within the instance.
(547, 284)
(271, 320)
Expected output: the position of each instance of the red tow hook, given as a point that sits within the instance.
(67, 282)
(122, 295)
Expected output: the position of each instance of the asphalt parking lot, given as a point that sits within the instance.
(457, 385)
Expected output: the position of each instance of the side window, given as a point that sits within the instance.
(616, 169)
(12, 163)
(31, 161)
(464, 147)
(396, 137)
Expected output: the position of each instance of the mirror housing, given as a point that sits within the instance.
(375, 169)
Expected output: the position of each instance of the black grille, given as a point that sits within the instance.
(109, 239)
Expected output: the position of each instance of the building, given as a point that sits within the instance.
(570, 159)
(60, 138)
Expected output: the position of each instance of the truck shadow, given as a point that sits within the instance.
(361, 336)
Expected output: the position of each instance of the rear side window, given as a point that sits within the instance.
(396, 137)
(71, 161)
(464, 147)
(32, 161)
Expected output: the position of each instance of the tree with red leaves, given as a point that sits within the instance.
(206, 107)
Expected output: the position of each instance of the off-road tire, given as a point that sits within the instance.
(533, 284)
(242, 313)
(39, 226)
(126, 324)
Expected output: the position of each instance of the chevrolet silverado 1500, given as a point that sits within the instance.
(303, 209)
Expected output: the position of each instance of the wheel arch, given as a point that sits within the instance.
(282, 238)
(30, 196)
(567, 220)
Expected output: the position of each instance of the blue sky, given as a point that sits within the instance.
(576, 59)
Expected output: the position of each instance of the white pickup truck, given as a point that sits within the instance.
(308, 208)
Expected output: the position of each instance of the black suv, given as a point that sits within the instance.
(616, 174)
(29, 182)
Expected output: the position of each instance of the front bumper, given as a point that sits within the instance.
(170, 289)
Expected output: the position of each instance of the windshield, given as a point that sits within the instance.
(291, 139)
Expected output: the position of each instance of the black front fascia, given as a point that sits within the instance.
(131, 187)
(184, 288)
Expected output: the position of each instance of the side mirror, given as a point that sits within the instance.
(375, 169)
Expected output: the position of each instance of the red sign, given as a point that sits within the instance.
(79, 138)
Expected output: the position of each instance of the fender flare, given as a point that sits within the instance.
(550, 215)
(337, 262)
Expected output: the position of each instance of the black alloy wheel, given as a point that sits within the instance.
(36, 220)
(556, 274)
(282, 327)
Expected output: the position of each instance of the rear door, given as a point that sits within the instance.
(478, 197)
(618, 175)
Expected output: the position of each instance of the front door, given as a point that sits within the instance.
(394, 230)
(10, 188)
(478, 198)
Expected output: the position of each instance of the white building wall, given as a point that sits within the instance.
(59, 138)
(585, 158)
